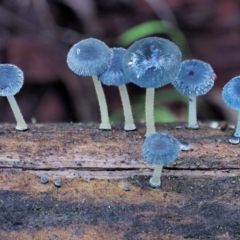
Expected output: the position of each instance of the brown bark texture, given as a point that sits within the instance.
(105, 192)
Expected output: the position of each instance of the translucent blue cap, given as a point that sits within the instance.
(195, 78)
(231, 93)
(89, 57)
(114, 75)
(160, 148)
(152, 62)
(11, 79)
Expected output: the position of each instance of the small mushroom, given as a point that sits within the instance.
(151, 63)
(44, 179)
(231, 96)
(160, 149)
(114, 76)
(195, 78)
(185, 146)
(11, 81)
(91, 57)
(58, 183)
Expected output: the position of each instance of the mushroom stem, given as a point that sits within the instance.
(192, 113)
(149, 110)
(237, 131)
(127, 110)
(105, 123)
(21, 124)
(155, 179)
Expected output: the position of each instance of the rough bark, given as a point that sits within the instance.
(79, 148)
(105, 192)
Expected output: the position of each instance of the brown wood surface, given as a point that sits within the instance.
(79, 148)
(105, 192)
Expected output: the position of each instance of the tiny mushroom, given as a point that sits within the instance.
(91, 57)
(185, 146)
(195, 78)
(231, 96)
(11, 81)
(114, 76)
(159, 149)
(58, 183)
(44, 179)
(151, 63)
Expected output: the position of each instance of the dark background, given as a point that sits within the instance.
(37, 34)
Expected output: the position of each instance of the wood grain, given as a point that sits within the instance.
(83, 150)
(105, 192)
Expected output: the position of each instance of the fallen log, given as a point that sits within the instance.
(105, 192)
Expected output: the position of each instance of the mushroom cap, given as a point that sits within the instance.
(160, 148)
(11, 79)
(195, 78)
(89, 57)
(114, 75)
(231, 93)
(152, 62)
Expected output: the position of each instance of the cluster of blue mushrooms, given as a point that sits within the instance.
(92, 57)
(11, 81)
(150, 63)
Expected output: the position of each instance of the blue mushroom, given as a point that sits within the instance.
(160, 149)
(231, 96)
(91, 57)
(11, 81)
(151, 63)
(195, 78)
(44, 179)
(114, 76)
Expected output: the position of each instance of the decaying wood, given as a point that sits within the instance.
(83, 150)
(105, 192)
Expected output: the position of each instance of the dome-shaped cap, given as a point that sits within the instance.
(231, 93)
(89, 57)
(114, 75)
(11, 79)
(152, 62)
(195, 78)
(160, 148)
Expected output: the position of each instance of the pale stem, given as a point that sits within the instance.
(237, 131)
(21, 124)
(192, 113)
(105, 123)
(155, 180)
(127, 110)
(149, 111)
